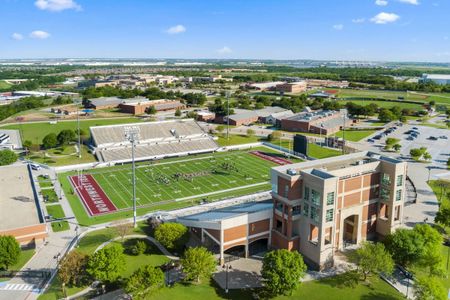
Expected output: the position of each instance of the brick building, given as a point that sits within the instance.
(323, 205)
(319, 122)
(140, 106)
(292, 87)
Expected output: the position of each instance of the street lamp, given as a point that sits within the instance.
(132, 135)
(228, 117)
(226, 267)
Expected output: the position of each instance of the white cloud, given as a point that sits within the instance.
(413, 2)
(381, 2)
(57, 5)
(384, 18)
(225, 50)
(176, 29)
(338, 27)
(39, 34)
(359, 20)
(17, 36)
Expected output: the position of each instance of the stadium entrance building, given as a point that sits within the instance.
(239, 230)
(20, 213)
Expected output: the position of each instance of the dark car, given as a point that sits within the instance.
(432, 138)
(377, 137)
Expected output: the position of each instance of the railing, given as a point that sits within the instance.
(26, 274)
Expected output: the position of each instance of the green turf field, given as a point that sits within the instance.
(174, 183)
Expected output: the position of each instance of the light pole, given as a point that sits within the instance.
(226, 267)
(343, 133)
(228, 117)
(78, 129)
(132, 134)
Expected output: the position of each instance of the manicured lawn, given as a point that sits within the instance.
(235, 139)
(4, 85)
(385, 104)
(159, 187)
(355, 135)
(63, 160)
(325, 289)
(319, 152)
(57, 212)
(35, 132)
(50, 195)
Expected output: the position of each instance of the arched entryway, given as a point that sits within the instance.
(258, 246)
(351, 230)
(238, 250)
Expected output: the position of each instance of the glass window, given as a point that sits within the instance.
(330, 198)
(398, 195)
(399, 180)
(306, 193)
(315, 197)
(329, 215)
(306, 209)
(296, 210)
(315, 213)
(286, 191)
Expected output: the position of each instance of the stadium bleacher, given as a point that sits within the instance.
(156, 140)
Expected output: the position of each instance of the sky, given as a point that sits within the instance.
(370, 30)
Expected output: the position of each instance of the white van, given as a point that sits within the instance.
(35, 167)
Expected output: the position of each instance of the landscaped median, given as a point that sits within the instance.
(57, 212)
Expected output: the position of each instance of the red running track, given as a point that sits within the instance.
(277, 160)
(92, 195)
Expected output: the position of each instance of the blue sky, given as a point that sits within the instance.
(395, 30)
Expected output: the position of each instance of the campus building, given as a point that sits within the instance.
(441, 79)
(320, 122)
(321, 206)
(292, 87)
(20, 213)
(239, 230)
(140, 106)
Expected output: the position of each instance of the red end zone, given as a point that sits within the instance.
(275, 159)
(92, 195)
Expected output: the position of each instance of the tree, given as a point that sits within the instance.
(429, 288)
(373, 258)
(448, 162)
(220, 129)
(144, 281)
(390, 142)
(178, 113)
(405, 245)
(122, 228)
(443, 216)
(151, 110)
(27, 144)
(7, 157)
(385, 115)
(250, 132)
(198, 263)
(107, 264)
(282, 271)
(72, 269)
(50, 141)
(397, 147)
(427, 156)
(9, 251)
(65, 137)
(172, 235)
(274, 136)
(431, 257)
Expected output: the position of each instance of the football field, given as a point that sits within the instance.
(200, 178)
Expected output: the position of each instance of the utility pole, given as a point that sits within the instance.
(132, 135)
(228, 117)
(343, 133)
(78, 129)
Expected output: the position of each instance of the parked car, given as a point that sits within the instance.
(371, 140)
(410, 138)
(377, 137)
(35, 167)
(432, 138)
(444, 137)
(415, 128)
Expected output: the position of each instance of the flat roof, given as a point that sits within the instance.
(230, 212)
(14, 137)
(17, 200)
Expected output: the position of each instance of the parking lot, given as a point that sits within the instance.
(439, 148)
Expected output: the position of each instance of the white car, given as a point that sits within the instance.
(35, 167)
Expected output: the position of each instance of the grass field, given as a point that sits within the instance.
(385, 104)
(4, 85)
(25, 256)
(35, 132)
(355, 135)
(57, 212)
(49, 195)
(174, 183)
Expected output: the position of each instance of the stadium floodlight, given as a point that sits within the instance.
(132, 135)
